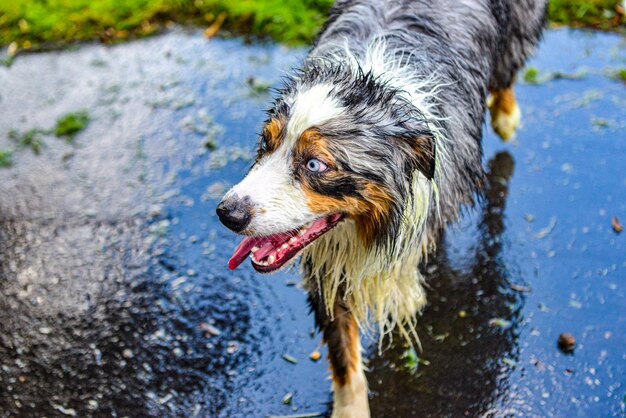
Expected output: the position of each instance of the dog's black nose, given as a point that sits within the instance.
(235, 213)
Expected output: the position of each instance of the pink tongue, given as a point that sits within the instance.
(272, 242)
(266, 246)
(241, 252)
(265, 249)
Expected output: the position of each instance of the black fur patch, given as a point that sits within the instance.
(344, 186)
(337, 334)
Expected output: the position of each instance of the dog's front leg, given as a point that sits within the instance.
(341, 334)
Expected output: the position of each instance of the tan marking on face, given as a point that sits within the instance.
(368, 213)
(272, 133)
(312, 144)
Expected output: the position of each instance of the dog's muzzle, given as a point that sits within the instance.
(235, 213)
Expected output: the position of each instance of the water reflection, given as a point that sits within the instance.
(468, 331)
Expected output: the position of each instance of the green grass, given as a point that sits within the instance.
(598, 14)
(33, 24)
(6, 159)
(71, 124)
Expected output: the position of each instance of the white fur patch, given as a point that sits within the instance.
(280, 204)
(311, 108)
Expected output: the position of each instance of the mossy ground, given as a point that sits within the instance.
(34, 24)
(37, 23)
(597, 14)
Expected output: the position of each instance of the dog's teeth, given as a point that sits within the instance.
(292, 240)
(270, 260)
(254, 249)
(284, 246)
(302, 231)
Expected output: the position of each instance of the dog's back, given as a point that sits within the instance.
(493, 36)
(469, 48)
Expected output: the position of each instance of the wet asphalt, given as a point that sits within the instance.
(115, 299)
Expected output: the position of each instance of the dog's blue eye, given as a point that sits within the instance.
(316, 166)
(263, 145)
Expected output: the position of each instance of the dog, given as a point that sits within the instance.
(370, 149)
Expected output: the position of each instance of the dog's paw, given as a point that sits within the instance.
(505, 124)
(505, 113)
(350, 412)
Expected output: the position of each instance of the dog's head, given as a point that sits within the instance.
(336, 146)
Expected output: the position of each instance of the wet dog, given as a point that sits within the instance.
(369, 150)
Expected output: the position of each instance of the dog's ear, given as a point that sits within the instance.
(420, 146)
(414, 131)
(424, 149)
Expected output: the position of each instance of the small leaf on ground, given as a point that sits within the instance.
(257, 86)
(30, 139)
(600, 123)
(521, 289)
(290, 359)
(566, 343)
(547, 230)
(531, 75)
(500, 323)
(71, 124)
(509, 362)
(210, 144)
(315, 356)
(6, 159)
(412, 361)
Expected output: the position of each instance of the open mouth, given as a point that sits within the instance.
(271, 252)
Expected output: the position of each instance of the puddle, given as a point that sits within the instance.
(114, 293)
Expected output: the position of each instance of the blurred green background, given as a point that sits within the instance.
(36, 24)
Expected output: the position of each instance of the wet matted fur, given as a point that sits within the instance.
(374, 145)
